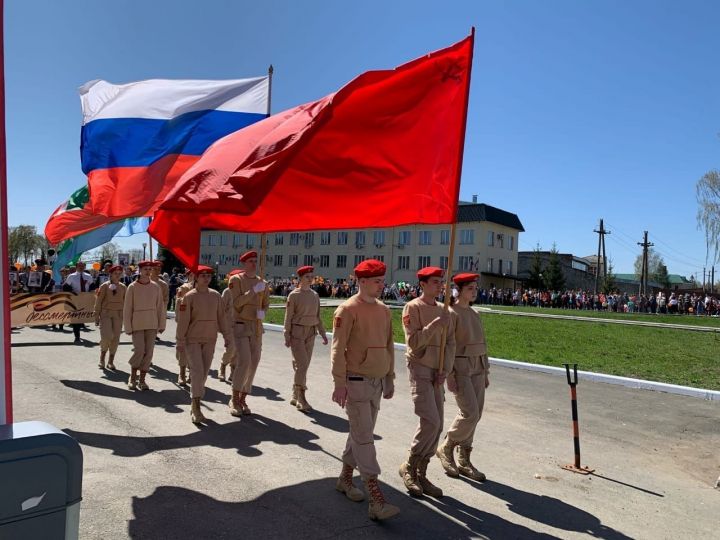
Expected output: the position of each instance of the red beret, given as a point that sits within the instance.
(248, 255)
(159, 264)
(465, 278)
(143, 264)
(304, 270)
(116, 268)
(235, 272)
(431, 271)
(370, 268)
(205, 270)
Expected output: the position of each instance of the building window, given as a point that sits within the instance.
(325, 239)
(279, 239)
(404, 238)
(443, 262)
(380, 258)
(359, 259)
(222, 239)
(404, 262)
(342, 238)
(425, 238)
(341, 261)
(250, 241)
(294, 239)
(293, 261)
(360, 239)
(500, 266)
(465, 263)
(444, 237)
(509, 267)
(490, 263)
(423, 261)
(309, 239)
(307, 260)
(467, 236)
(324, 261)
(511, 246)
(211, 239)
(491, 238)
(278, 260)
(236, 241)
(501, 240)
(379, 238)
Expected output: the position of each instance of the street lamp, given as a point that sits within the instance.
(144, 246)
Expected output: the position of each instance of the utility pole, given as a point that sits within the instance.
(644, 273)
(703, 279)
(712, 281)
(601, 249)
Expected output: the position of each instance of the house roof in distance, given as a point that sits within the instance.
(468, 211)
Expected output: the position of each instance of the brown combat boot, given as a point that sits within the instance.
(466, 467)
(243, 404)
(378, 509)
(196, 414)
(345, 484)
(221, 372)
(101, 364)
(427, 486)
(293, 399)
(132, 384)
(182, 377)
(408, 472)
(111, 362)
(302, 404)
(235, 407)
(445, 454)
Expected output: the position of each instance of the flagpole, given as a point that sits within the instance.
(451, 254)
(271, 70)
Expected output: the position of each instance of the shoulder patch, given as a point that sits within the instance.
(230, 285)
(182, 307)
(337, 322)
(406, 320)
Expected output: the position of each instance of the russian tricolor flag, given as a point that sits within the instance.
(139, 138)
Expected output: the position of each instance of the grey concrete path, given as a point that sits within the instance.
(151, 474)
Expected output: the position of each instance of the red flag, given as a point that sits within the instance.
(385, 150)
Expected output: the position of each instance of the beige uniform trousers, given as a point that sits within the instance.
(110, 330)
(362, 406)
(470, 373)
(248, 344)
(200, 356)
(428, 402)
(182, 358)
(228, 357)
(143, 347)
(302, 341)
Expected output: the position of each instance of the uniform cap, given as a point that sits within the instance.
(115, 268)
(465, 278)
(143, 264)
(305, 270)
(431, 271)
(158, 264)
(205, 270)
(248, 255)
(370, 268)
(235, 272)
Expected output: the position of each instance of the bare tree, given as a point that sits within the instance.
(708, 217)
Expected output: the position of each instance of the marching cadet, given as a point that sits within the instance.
(302, 323)
(423, 322)
(181, 356)
(144, 316)
(249, 305)
(155, 276)
(228, 358)
(109, 304)
(468, 380)
(363, 370)
(203, 317)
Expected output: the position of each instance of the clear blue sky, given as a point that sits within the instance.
(578, 110)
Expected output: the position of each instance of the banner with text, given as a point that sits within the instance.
(59, 308)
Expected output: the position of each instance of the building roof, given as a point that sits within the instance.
(674, 279)
(484, 212)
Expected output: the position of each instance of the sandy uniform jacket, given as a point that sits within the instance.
(303, 309)
(165, 288)
(246, 302)
(144, 308)
(203, 317)
(362, 341)
(469, 334)
(105, 300)
(424, 338)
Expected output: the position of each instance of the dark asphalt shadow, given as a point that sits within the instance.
(309, 510)
(268, 393)
(544, 509)
(243, 435)
(168, 400)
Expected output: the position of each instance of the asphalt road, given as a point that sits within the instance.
(150, 473)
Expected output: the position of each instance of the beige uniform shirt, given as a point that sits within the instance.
(362, 341)
(424, 338)
(105, 300)
(303, 308)
(245, 301)
(469, 334)
(144, 308)
(165, 288)
(203, 317)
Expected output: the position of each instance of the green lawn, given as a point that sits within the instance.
(658, 354)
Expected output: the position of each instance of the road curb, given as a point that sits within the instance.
(641, 384)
